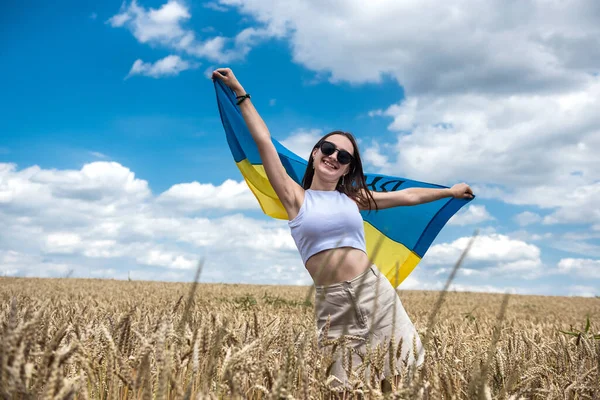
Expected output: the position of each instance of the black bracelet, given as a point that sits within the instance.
(242, 98)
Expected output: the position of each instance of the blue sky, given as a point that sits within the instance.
(113, 161)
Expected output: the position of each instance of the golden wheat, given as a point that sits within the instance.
(103, 339)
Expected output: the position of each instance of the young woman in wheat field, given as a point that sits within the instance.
(355, 305)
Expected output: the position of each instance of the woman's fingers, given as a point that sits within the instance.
(226, 76)
(219, 74)
(462, 190)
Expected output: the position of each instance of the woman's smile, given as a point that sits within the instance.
(329, 164)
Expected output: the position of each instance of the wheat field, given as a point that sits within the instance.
(107, 339)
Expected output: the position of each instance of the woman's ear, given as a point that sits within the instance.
(314, 152)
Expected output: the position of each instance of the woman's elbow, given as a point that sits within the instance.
(413, 199)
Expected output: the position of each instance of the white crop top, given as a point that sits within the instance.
(327, 219)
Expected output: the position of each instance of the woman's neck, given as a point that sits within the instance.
(318, 184)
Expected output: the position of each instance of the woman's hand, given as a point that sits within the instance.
(461, 191)
(226, 75)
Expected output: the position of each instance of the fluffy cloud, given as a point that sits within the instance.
(492, 254)
(585, 246)
(170, 260)
(165, 27)
(13, 263)
(195, 196)
(432, 47)
(423, 283)
(473, 214)
(496, 139)
(581, 267)
(80, 221)
(302, 141)
(527, 218)
(374, 156)
(580, 205)
(168, 66)
(62, 242)
(161, 25)
(215, 6)
(582, 291)
(530, 237)
(494, 248)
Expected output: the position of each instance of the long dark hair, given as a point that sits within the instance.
(354, 184)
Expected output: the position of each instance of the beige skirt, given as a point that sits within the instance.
(364, 331)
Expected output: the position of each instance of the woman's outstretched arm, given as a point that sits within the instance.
(414, 196)
(289, 192)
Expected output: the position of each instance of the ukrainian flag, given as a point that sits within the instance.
(397, 238)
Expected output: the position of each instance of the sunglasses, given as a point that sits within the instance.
(343, 156)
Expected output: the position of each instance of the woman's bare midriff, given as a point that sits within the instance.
(336, 265)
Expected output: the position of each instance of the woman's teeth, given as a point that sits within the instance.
(329, 164)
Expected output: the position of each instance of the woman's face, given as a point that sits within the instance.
(328, 167)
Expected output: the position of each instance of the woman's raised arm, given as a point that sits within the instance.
(289, 192)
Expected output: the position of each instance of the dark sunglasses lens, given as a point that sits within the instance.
(344, 157)
(327, 148)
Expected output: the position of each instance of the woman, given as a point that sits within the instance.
(357, 310)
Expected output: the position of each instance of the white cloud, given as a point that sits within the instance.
(373, 155)
(170, 260)
(575, 246)
(528, 143)
(62, 242)
(580, 267)
(523, 141)
(302, 141)
(527, 218)
(531, 237)
(208, 72)
(103, 185)
(495, 247)
(213, 5)
(526, 46)
(169, 66)
(473, 214)
(119, 20)
(413, 283)
(582, 291)
(162, 25)
(14, 263)
(461, 287)
(97, 154)
(493, 254)
(104, 216)
(578, 206)
(165, 27)
(197, 196)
